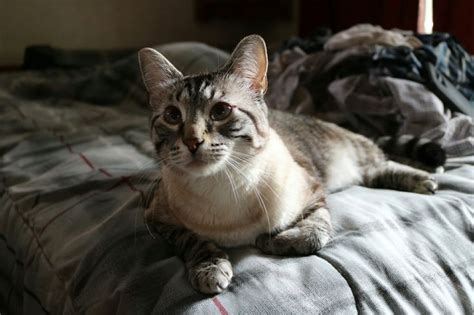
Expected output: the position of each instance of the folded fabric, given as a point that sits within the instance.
(293, 71)
(376, 106)
(347, 88)
(451, 60)
(363, 34)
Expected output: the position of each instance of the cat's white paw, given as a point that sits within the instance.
(211, 276)
(427, 186)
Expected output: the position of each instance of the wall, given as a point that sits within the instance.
(104, 24)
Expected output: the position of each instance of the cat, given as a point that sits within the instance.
(235, 172)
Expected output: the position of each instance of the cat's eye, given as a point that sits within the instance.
(172, 115)
(220, 111)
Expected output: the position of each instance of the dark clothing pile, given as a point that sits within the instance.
(379, 82)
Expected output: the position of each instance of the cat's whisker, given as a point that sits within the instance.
(258, 195)
(236, 167)
(143, 177)
(141, 206)
(234, 192)
(143, 173)
(242, 157)
(264, 207)
(148, 198)
(262, 179)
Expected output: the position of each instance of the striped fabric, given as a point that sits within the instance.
(74, 178)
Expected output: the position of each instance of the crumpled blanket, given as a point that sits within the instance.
(375, 105)
(451, 60)
(376, 90)
(365, 34)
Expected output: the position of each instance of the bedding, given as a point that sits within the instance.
(74, 180)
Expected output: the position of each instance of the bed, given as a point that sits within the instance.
(75, 177)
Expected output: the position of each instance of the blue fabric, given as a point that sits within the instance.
(452, 60)
(440, 49)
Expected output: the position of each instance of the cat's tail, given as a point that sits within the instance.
(415, 151)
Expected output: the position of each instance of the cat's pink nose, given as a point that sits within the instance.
(193, 143)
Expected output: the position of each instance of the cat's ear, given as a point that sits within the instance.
(249, 60)
(157, 71)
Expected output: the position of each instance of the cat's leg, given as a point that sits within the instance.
(305, 237)
(209, 268)
(393, 175)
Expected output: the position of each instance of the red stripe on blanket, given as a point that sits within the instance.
(88, 162)
(82, 156)
(126, 180)
(219, 306)
(68, 146)
(103, 171)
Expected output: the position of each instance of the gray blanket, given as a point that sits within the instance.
(75, 177)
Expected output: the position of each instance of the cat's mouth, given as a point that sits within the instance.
(198, 163)
(202, 165)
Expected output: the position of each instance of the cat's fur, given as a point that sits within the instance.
(256, 177)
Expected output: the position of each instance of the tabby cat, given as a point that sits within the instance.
(236, 173)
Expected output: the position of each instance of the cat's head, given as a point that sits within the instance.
(203, 124)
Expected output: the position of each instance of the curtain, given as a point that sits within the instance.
(341, 14)
(455, 17)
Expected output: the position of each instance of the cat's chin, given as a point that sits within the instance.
(199, 168)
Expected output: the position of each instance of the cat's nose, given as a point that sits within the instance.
(193, 143)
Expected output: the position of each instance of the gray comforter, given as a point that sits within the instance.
(75, 177)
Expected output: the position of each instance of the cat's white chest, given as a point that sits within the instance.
(342, 169)
(233, 218)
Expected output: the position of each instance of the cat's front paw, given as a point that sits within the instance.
(211, 276)
(426, 186)
(305, 240)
